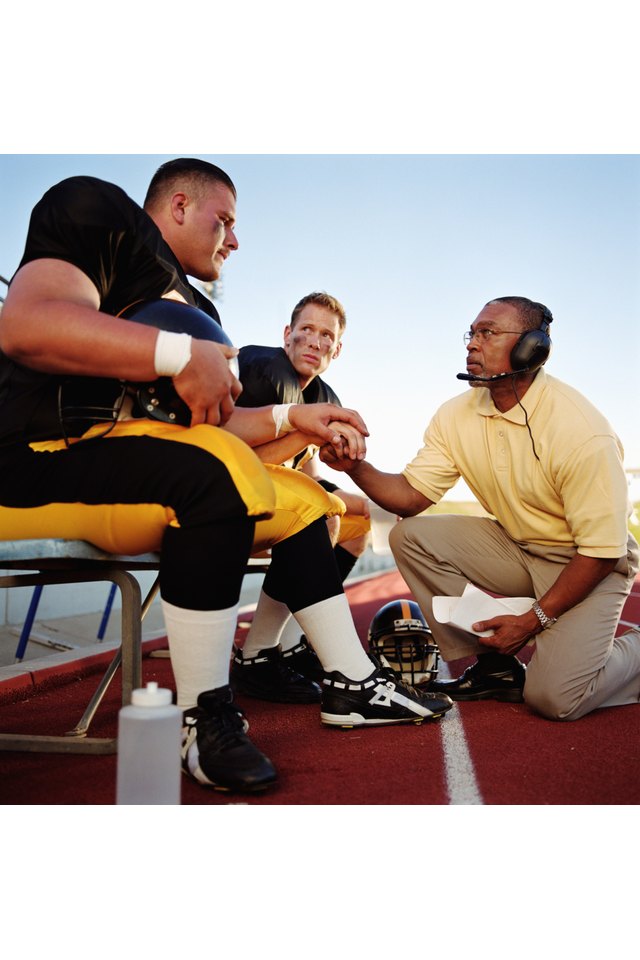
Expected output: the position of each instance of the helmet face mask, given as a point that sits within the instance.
(401, 639)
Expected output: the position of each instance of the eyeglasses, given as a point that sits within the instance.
(484, 334)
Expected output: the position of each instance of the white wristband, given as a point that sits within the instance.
(173, 352)
(280, 415)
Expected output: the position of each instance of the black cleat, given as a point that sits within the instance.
(476, 684)
(216, 750)
(379, 699)
(304, 660)
(267, 676)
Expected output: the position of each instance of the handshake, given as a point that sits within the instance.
(338, 432)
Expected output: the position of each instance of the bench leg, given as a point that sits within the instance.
(129, 654)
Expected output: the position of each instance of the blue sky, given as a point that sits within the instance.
(413, 245)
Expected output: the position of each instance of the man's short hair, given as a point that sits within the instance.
(531, 313)
(322, 300)
(199, 173)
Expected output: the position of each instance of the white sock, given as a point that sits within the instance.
(200, 643)
(268, 622)
(329, 627)
(290, 636)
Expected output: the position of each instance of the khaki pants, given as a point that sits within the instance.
(577, 665)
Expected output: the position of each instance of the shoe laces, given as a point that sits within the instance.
(390, 675)
(225, 722)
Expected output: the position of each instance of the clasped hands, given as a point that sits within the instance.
(339, 429)
(338, 458)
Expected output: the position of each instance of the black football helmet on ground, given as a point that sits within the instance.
(401, 639)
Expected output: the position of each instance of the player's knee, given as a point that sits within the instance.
(202, 489)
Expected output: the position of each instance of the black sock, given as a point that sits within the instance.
(346, 561)
(303, 569)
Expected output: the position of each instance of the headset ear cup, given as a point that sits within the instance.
(531, 351)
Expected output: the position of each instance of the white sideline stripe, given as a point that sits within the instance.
(460, 775)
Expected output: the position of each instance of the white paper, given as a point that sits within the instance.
(475, 605)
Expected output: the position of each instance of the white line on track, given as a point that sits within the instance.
(462, 786)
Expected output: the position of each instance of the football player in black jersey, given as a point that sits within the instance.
(197, 492)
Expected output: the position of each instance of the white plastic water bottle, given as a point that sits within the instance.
(149, 728)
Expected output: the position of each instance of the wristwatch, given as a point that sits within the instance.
(545, 621)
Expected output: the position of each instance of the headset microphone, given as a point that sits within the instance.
(529, 353)
(496, 376)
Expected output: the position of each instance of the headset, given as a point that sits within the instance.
(529, 353)
(534, 346)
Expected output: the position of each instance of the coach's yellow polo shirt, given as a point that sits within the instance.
(575, 494)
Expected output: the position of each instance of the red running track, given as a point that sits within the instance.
(480, 753)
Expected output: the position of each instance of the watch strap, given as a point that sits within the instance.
(545, 621)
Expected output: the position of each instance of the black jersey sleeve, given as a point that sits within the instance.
(96, 227)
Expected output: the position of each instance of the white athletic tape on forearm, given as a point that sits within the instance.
(173, 352)
(281, 418)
